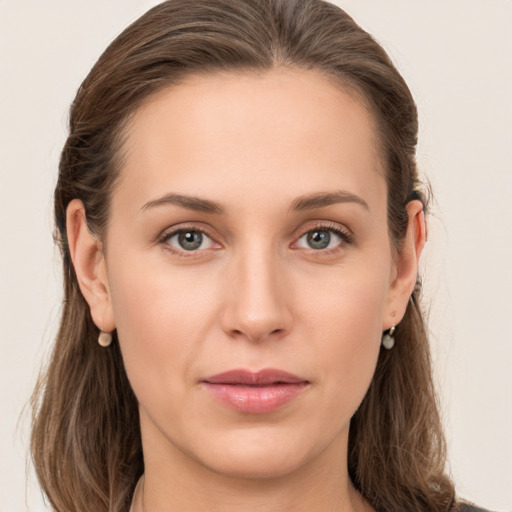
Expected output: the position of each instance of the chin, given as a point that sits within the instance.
(257, 467)
(259, 455)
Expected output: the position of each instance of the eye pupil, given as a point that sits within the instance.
(190, 240)
(319, 239)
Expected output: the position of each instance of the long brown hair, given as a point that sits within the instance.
(86, 443)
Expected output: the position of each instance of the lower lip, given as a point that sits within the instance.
(255, 399)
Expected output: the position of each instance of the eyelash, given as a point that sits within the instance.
(344, 235)
(166, 235)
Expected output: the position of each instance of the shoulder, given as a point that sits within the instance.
(469, 507)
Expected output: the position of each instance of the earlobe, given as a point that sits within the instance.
(89, 264)
(407, 261)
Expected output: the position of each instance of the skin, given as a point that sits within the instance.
(255, 294)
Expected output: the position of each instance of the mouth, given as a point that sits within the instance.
(255, 392)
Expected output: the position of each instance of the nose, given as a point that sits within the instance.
(257, 299)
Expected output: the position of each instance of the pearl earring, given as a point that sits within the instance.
(388, 342)
(105, 338)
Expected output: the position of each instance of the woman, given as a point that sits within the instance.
(241, 220)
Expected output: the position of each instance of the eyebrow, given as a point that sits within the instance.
(302, 203)
(188, 202)
(320, 200)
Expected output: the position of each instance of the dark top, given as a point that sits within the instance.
(469, 507)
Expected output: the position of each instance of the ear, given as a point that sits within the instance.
(90, 268)
(406, 265)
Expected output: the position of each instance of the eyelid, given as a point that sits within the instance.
(327, 225)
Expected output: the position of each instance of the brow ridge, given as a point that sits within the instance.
(188, 202)
(320, 200)
(302, 203)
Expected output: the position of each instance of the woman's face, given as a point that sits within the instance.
(248, 232)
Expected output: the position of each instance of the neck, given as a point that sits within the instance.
(354, 503)
(181, 483)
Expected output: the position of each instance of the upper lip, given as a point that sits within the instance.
(263, 377)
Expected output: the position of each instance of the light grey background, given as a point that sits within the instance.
(455, 55)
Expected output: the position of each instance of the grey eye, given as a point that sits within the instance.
(190, 240)
(318, 239)
(321, 238)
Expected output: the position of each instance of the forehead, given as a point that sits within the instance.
(286, 130)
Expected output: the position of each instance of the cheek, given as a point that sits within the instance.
(161, 316)
(349, 302)
(168, 319)
(344, 318)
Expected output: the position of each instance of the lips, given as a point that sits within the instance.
(255, 392)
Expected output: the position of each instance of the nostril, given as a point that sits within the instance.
(255, 335)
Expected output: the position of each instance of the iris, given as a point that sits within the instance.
(319, 239)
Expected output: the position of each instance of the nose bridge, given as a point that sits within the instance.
(256, 306)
